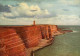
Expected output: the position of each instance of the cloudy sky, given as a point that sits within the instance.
(24, 12)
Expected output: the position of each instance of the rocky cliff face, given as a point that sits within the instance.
(13, 44)
(48, 31)
(16, 39)
(30, 35)
(45, 31)
(53, 29)
(2, 48)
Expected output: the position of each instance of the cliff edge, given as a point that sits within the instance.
(23, 40)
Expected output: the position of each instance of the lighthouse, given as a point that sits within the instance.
(34, 22)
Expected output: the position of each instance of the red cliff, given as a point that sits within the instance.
(53, 29)
(13, 43)
(2, 48)
(45, 31)
(17, 38)
(30, 35)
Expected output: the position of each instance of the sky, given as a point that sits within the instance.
(24, 12)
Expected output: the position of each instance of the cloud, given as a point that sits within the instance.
(24, 10)
(24, 14)
(4, 8)
(58, 20)
(67, 20)
(29, 0)
(70, 2)
(22, 21)
(66, 9)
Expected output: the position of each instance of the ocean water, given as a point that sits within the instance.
(64, 45)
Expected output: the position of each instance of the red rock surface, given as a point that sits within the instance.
(13, 43)
(2, 48)
(54, 29)
(44, 31)
(16, 38)
(30, 35)
(47, 31)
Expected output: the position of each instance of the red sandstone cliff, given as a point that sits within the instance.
(12, 42)
(30, 35)
(16, 39)
(54, 29)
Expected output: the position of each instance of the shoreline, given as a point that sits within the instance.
(47, 42)
(43, 43)
(33, 38)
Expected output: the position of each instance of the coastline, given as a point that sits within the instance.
(43, 43)
(46, 42)
(30, 38)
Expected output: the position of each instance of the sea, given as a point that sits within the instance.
(64, 45)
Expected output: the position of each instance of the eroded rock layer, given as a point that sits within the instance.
(45, 31)
(2, 48)
(16, 39)
(30, 35)
(54, 29)
(13, 43)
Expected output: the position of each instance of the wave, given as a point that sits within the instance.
(74, 31)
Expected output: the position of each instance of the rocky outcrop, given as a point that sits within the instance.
(16, 39)
(30, 35)
(45, 31)
(48, 31)
(53, 29)
(12, 42)
(2, 48)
